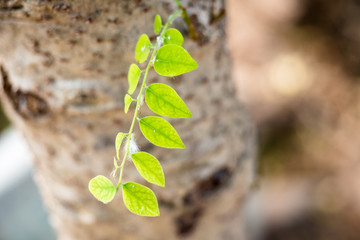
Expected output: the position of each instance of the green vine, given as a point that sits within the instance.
(170, 59)
(192, 32)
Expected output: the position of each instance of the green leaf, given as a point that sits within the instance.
(140, 200)
(133, 77)
(173, 60)
(163, 100)
(160, 132)
(157, 24)
(142, 49)
(102, 189)
(173, 36)
(128, 100)
(118, 140)
(149, 168)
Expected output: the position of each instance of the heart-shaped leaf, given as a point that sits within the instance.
(142, 49)
(149, 168)
(160, 132)
(173, 36)
(163, 100)
(173, 60)
(140, 200)
(102, 189)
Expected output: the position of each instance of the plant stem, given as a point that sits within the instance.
(138, 99)
(178, 3)
(192, 31)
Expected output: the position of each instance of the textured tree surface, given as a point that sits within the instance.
(63, 78)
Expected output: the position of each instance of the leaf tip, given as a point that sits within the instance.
(181, 146)
(196, 65)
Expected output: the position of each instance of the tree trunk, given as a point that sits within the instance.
(63, 77)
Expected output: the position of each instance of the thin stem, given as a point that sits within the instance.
(178, 3)
(138, 99)
(192, 31)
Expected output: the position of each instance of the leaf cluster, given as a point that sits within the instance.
(170, 59)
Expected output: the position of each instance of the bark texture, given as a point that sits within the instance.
(63, 78)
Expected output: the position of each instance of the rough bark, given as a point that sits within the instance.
(63, 78)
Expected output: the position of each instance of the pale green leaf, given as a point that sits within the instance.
(173, 36)
(127, 100)
(157, 24)
(142, 49)
(149, 168)
(160, 132)
(133, 77)
(173, 60)
(102, 189)
(163, 100)
(118, 140)
(140, 200)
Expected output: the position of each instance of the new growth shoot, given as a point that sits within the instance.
(168, 58)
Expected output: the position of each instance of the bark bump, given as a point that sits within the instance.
(27, 104)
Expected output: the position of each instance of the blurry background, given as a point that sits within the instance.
(22, 214)
(297, 68)
(296, 64)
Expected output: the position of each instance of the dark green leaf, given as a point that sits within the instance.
(142, 49)
(173, 36)
(164, 100)
(102, 189)
(149, 167)
(160, 132)
(140, 200)
(157, 24)
(133, 77)
(173, 60)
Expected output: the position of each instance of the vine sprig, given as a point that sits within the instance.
(170, 59)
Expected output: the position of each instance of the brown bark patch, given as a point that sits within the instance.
(27, 104)
(193, 200)
(187, 221)
(62, 6)
(202, 39)
(11, 5)
(209, 186)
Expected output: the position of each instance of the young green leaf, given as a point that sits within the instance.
(142, 49)
(140, 200)
(149, 168)
(160, 132)
(102, 189)
(173, 36)
(163, 100)
(133, 77)
(157, 24)
(118, 140)
(173, 60)
(128, 100)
